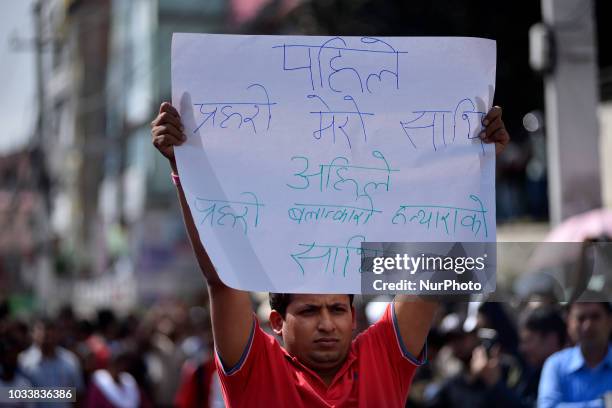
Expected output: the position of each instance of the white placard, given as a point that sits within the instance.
(300, 148)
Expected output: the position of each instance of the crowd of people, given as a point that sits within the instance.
(151, 359)
(491, 358)
(479, 355)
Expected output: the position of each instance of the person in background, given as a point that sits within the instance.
(580, 376)
(485, 373)
(115, 387)
(48, 365)
(494, 316)
(542, 333)
(10, 374)
(199, 387)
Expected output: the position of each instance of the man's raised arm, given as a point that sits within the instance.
(231, 310)
(414, 315)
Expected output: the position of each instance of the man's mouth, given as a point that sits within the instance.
(326, 341)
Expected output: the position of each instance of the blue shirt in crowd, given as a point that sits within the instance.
(568, 381)
(62, 370)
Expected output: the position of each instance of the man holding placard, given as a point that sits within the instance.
(318, 364)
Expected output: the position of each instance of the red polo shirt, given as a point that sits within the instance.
(377, 373)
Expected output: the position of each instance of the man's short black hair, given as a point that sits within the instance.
(545, 320)
(280, 301)
(590, 296)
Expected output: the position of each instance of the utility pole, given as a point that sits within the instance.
(45, 282)
(40, 86)
(571, 98)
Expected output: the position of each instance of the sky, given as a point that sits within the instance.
(17, 76)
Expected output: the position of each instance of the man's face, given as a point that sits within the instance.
(317, 329)
(537, 347)
(589, 324)
(46, 337)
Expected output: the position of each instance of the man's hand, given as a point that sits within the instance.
(167, 132)
(495, 130)
(231, 310)
(486, 367)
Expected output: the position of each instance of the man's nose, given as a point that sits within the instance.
(587, 324)
(325, 322)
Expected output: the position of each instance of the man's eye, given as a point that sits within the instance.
(339, 309)
(307, 312)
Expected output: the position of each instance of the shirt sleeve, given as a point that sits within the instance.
(418, 361)
(241, 368)
(383, 342)
(260, 354)
(549, 390)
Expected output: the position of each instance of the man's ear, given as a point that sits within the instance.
(354, 317)
(276, 322)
